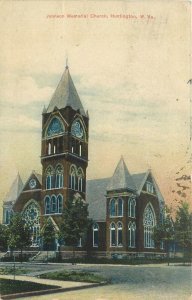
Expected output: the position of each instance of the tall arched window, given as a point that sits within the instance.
(72, 179)
(95, 235)
(112, 235)
(49, 177)
(119, 234)
(59, 177)
(80, 176)
(112, 207)
(47, 205)
(149, 222)
(120, 207)
(59, 204)
(31, 216)
(131, 234)
(53, 204)
(131, 207)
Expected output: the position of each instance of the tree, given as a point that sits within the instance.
(48, 235)
(3, 237)
(19, 234)
(75, 222)
(164, 231)
(183, 227)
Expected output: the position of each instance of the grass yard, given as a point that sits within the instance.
(9, 286)
(74, 276)
(11, 271)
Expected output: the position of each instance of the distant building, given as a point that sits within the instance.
(125, 208)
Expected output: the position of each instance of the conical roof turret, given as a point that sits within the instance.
(14, 190)
(66, 95)
(121, 178)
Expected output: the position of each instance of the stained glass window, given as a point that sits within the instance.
(31, 216)
(55, 127)
(149, 223)
(77, 129)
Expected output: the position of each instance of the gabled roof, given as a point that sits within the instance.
(14, 190)
(139, 180)
(66, 95)
(96, 191)
(121, 178)
(33, 173)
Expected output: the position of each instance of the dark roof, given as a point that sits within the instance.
(139, 180)
(14, 190)
(66, 95)
(121, 178)
(96, 190)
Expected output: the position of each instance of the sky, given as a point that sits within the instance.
(130, 63)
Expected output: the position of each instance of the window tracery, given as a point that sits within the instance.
(31, 215)
(148, 223)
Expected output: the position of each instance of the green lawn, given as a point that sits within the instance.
(11, 271)
(74, 276)
(9, 286)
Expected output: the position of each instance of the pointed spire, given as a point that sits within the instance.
(44, 110)
(121, 178)
(14, 190)
(66, 94)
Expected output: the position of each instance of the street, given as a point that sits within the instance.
(127, 282)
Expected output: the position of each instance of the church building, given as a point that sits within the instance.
(124, 208)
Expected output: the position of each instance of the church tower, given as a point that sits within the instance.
(64, 148)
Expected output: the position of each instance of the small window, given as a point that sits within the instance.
(112, 235)
(95, 235)
(53, 204)
(47, 205)
(80, 150)
(149, 187)
(112, 208)
(59, 204)
(49, 148)
(119, 234)
(120, 207)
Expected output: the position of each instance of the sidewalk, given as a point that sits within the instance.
(64, 286)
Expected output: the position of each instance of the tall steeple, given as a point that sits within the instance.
(66, 94)
(121, 178)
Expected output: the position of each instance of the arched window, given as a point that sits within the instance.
(112, 235)
(49, 148)
(131, 207)
(59, 177)
(55, 127)
(53, 204)
(59, 204)
(72, 179)
(95, 235)
(149, 223)
(47, 205)
(131, 234)
(77, 129)
(49, 178)
(112, 208)
(80, 176)
(119, 234)
(31, 215)
(120, 207)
